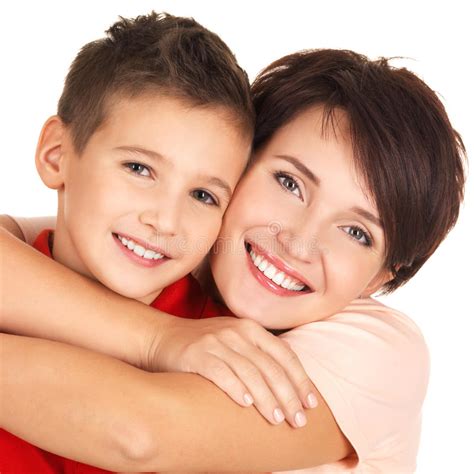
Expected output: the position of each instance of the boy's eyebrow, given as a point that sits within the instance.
(221, 184)
(143, 151)
(301, 167)
(158, 156)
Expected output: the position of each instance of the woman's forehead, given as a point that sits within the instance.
(322, 145)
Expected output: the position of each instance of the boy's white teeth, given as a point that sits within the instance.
(148, 254)
(277, 276)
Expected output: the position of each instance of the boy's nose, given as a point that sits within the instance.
(164, 221)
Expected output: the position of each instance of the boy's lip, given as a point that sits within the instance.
(143, 262)
(280, 265)
(143, 243)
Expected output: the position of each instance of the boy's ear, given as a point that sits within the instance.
(377, 282)
(49, 158)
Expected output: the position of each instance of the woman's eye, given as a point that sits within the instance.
(204, 197)
(358, 235)
(138, 169)
(288, 183)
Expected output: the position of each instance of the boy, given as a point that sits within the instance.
(153, 131)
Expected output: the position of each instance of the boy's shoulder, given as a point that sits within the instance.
(42, 242)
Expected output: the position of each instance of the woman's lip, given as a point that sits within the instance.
(279, 264)
(144, 244)
(269, 284)
(137, 259)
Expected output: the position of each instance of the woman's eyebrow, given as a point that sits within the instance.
(367, 215)
(301, 167)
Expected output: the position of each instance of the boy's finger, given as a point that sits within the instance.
(264, 376)
(281, 387)
(218, 372)
(247, 372)
(282, 353)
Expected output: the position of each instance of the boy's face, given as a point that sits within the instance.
(156, 177)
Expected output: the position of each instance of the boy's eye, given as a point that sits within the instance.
(358, 235)
(288, 183)
(204, 197)
(138, 169)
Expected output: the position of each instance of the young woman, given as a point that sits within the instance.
(356, 179)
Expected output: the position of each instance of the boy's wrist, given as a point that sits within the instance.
(153, 331)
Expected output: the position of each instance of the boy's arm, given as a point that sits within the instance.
(42, 298)
(101, 411)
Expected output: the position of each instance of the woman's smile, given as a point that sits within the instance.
(308, 225)
(274, 274)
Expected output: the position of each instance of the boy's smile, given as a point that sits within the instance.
(143, 203)
(142, 253)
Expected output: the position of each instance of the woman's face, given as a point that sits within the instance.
(301, 237)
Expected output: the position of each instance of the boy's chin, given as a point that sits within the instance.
(135, 293)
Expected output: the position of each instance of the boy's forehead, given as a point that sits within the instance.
(154, 101)
(166, 131)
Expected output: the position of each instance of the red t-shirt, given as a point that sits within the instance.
(183, 298)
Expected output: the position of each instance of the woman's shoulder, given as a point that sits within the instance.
(369, 319)
(369, 344)
(371, 365)
(373, 316)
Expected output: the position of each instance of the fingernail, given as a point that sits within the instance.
(312, 400)
(248, 400)
(300, 419)
(278, 415)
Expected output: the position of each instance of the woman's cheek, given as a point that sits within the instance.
(344, 271)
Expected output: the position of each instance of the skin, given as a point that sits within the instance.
(182, 404)
(176, 414)
(138, 178)
(323, 229)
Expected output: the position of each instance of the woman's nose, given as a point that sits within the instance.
(300, 241)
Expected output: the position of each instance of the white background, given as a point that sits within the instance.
(38, 40)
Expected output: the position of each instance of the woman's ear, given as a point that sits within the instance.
(377, 282)
(49, 158)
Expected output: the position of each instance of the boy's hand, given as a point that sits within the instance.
(243, 359)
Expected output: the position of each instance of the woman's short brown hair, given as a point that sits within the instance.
(405, 148)
(158, 53)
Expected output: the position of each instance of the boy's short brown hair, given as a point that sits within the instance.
(405, 148)
(157, 53)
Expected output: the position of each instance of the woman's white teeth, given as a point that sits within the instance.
(286, 282)
(277, 276)
(270, 271)
(148, 254)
